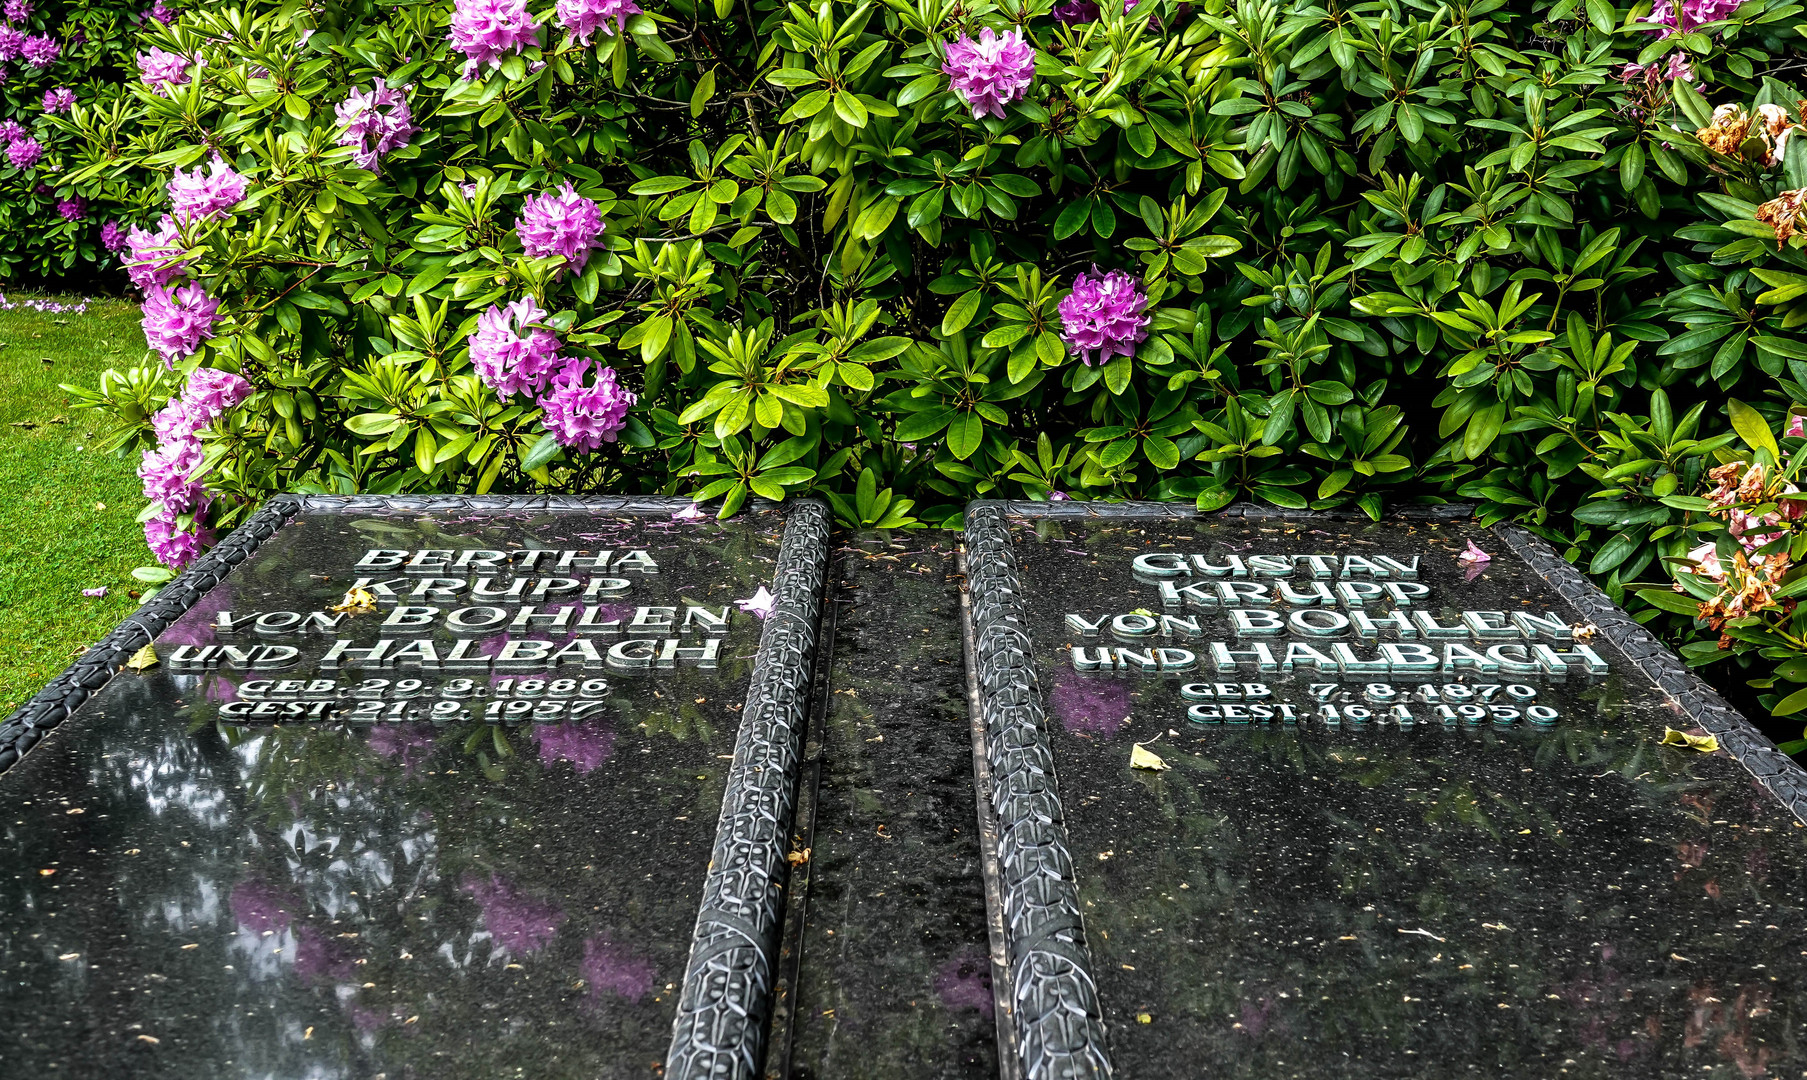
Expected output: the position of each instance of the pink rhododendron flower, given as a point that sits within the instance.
(1706, 562)
(60, 100)
(1472, 555)
(156, 258)
(1797, 426)
(210, 392)
(376, 122)
(72, 208)
(585, 17)
(163, 71)
(581, 416)
(17, 10)
(40, 50)
(12, 130)
(174, 547)
(483, 30)
(176, 422)
(1691, 13)
(1676, 68)
(560, 223)
(112, 237)
(991, 72)
(24, 153)
(760, 605)
(201, 194)
(512, 352)
(177, 322)
(1103, 316)
(162, 12)
(12, 40)
(166, 471)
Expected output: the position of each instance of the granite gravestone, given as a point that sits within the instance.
(419, 787)
(1284, 796)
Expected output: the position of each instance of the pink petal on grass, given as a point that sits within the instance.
(760, 604)
(102, 591)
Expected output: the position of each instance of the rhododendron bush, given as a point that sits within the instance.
(63, 68)
(905, 253)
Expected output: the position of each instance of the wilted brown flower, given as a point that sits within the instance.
(1750, 587)
(1782, 213)
(1727, 131)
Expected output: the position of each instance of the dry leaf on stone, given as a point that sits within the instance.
(1706, 744)
(143, 660)
(356, 600)
(1140, 757)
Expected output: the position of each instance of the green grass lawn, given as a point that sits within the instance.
(67, 514)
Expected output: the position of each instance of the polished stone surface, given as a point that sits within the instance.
(895, 977)
(1486, 899)
(191, 896)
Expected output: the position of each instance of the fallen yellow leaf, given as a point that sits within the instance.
(1140, 757)
(1706, 744)
(143, 659)
(356, 600)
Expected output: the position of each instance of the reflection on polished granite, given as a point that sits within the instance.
(1432, 901)
(191, 898)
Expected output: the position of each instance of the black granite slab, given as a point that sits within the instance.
(222, 871)
(893, 970)
(1461, 896)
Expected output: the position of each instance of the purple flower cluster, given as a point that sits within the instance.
(376, 122)
(112, 237)
(167, 470)
(72, 208)
(1103, 316)
(17, 10)
(200, 195)
(581, 416)
(177, 321)
(1678, 67)
(163, 71)
(23, 152)
(483, 30)
(585, 17)
(60, 100)
(162, 12)
(12, 42)
(560, 223)
(156, 257)
(512, 352)
(991, 72)
(1672, 18)
(40, 50)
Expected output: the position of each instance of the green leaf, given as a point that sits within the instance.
(960, 313)
(1752, 428)
(705, 89)
(964, 435)
(1670, 600)
(543, 451)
